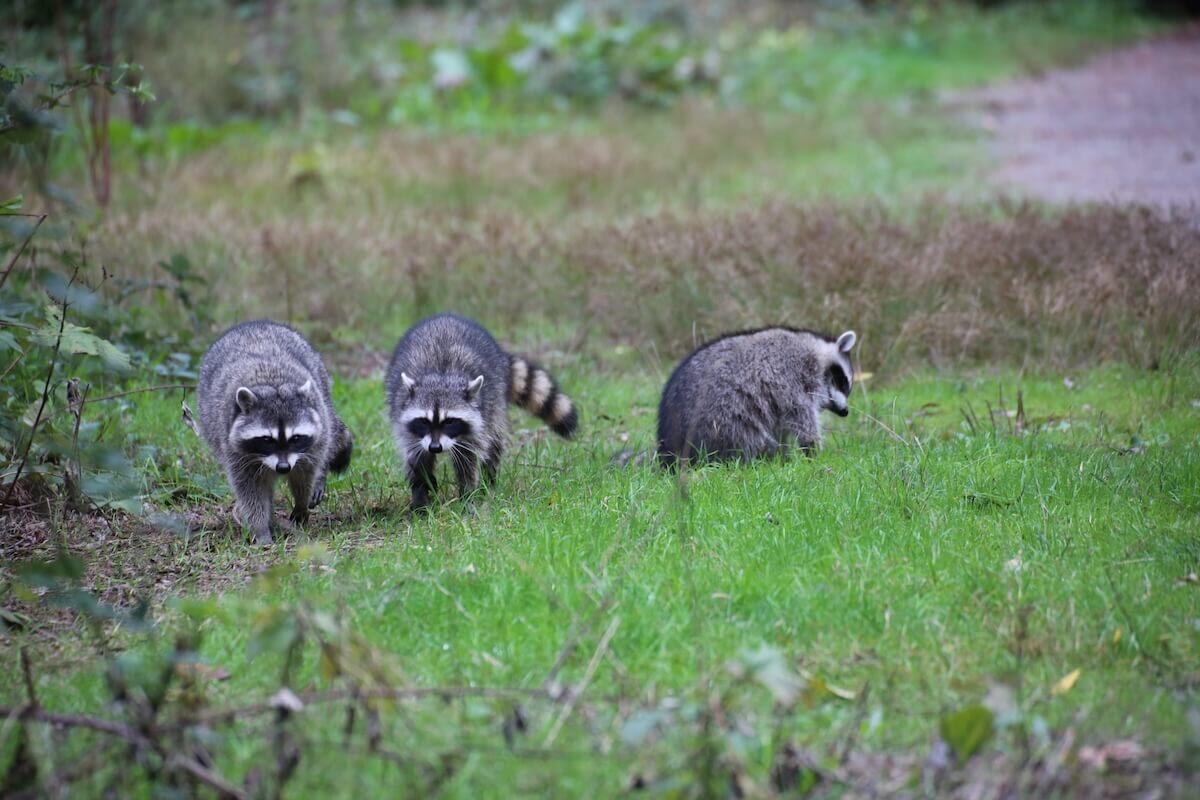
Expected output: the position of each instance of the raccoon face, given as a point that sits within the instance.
(275, 426)
(839, 375)
(442, 413)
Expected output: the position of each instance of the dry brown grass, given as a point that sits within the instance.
(1008, 283)
(937, 285)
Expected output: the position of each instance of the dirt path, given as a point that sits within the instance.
(1123, 127)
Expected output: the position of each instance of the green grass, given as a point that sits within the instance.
(901, 558)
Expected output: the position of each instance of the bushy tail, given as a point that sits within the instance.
(343, 447)
(532, 388)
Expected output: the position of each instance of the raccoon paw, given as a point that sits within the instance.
(263, 538)
(299, 515)
(317, 494)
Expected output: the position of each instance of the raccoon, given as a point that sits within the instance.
(750, 394)
(447, 391)
(266, 411)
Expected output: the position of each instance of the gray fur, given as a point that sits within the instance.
(751, 394)
(447, 389)
(263, 379)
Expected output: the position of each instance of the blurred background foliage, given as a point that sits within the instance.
(225, 67)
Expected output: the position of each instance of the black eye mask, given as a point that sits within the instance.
(450, 426)
(261, 445)
(454, 428)
(837, 376)
(299, 443)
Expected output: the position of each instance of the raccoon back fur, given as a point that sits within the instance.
(750, 394)
(447, 388)
(266, 411)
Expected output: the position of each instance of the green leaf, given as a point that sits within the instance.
(967, 730)
(275, 631)
(11, 206)
(8, 341)
(641, 724)
(65, 568)
(79, 340)
(768, 667)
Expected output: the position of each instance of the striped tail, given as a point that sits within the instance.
(532, 388)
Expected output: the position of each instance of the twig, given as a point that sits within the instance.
(206, 776)
(898, 437)
(415, 693)
(164, 388)
(37, 420)
(12, 262)
(33, 714)
(11, 366)
(588, 674)
(461, 609)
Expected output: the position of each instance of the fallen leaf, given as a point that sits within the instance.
(1117, 754)
(1066, 682)
(203, 671)
(967, 730)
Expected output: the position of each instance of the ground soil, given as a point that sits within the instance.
(1122, 127)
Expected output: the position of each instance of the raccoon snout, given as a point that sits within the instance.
(283, 467)
(435, 447)
(842, 411)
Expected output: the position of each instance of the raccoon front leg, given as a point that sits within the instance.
(318, 492)
(804, 426)
(421, 479)
(491, 463)
(304, 481)
(466, 470)
(254, 493)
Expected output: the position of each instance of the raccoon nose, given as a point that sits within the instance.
(283, 467)
(435, 447)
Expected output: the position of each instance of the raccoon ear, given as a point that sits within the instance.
(473, 387)
(846, 341)
(306, 388)
(245, 398)
(409, 383)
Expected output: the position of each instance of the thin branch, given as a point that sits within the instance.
(33, 714)
(12, 262)
(206, 776)
(897, 436)
(415, 693)
(164, 388)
